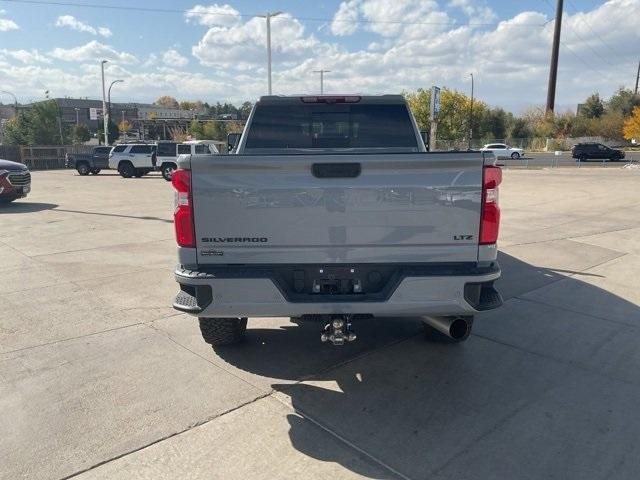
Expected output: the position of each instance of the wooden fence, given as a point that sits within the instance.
(41, 157)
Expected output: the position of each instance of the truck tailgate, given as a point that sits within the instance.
(337, 208)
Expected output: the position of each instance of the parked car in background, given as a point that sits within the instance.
(595, 151)
(133, 160)
(168, 152)
(86, 163)
(502, 150)
(15, 181)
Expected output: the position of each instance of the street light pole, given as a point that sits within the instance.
(471, 114)
(268, 17)
(109, 95)
(321, 72)
(77, 120)
(105, 113)
(15, 100)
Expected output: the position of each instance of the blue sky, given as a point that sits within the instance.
(216, 52)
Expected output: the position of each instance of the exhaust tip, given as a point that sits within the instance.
(459, 329)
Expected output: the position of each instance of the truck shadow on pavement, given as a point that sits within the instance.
(25, 207)
(537, 380)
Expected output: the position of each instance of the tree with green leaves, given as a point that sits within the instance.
(623, 101)
(80, 134)
(39, 125)
(455, 110)
(114, 132)
(593, 107)
(196, 130)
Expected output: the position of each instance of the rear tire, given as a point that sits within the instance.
(126, 169)
(167, 169)
(83, 168)
(223, 331)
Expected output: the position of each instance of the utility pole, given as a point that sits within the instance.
(321, 72)
(635, 92)
(268, 17)
(471, 114)
(555, 50)
(105, 113)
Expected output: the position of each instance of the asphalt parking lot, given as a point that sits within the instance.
(100, 378)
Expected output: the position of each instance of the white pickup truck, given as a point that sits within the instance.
(330, 208)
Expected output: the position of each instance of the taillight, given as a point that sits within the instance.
(183, 214)
(490, 211)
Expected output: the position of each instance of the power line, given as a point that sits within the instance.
(572, 52)
(594, 32)
(254, 15)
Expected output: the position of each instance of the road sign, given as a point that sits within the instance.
(95, 113)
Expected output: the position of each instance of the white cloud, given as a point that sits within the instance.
(7, 24)
(69, 21)
(242, 46)
(26, 56)
(92, 51)
(509, 58)
(173, 58)
(213, 15)
(344, 20)
(477, 13)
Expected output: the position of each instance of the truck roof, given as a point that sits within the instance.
(334, 98)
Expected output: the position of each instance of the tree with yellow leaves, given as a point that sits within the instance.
(631, 127)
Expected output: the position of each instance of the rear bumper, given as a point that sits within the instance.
(243, 294)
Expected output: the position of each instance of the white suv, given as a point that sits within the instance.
(168, 152)
(503, 150)
(133, 160)
(138, 159)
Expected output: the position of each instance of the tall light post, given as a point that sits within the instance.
(109, 95)
(268, 17)
(15, 100)
(471, 114)
(77, 118)
(105, 113)
(321, 72)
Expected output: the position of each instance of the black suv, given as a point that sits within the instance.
(588, 151)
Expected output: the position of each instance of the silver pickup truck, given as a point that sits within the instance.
(330, 208)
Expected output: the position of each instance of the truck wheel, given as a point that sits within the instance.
(95, 171)
(436, 336)
(126, 169)
(167, 170)
(83, 168)
(223, 331)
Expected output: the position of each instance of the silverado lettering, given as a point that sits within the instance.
(234, 239)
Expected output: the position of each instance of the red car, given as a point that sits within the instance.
(15, 181)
